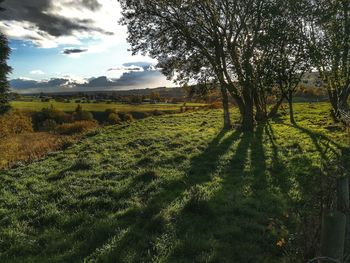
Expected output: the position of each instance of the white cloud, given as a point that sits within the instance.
(37, 72)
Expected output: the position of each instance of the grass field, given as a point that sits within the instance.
(38, 105)
(174, 188)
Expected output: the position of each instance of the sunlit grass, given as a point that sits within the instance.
(175, 188)
(38, 105)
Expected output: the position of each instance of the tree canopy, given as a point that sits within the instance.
(5, 69)
(223, 41)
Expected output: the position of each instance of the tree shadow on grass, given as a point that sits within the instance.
(322, 143)
(231, 226)
(212, 214)
(218, 212)
(144, 227)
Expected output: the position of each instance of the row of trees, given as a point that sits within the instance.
(249, 48)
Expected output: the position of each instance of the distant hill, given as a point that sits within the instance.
(175, 92)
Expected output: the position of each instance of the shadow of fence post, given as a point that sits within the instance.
(335, 240)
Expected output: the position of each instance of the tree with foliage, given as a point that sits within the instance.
(327, 26)
(287, 56)
(154, 96)
(205, 39)
(4, 71)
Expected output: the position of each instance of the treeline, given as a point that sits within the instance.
(252, 50)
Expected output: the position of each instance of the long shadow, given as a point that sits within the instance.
(189, 225)
(229, 215)
(156, 199)
(278, 167)
(239, 214)
(321, 142)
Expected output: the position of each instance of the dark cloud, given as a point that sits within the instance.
(144, 65)
(131, 80)
(22, 84)
(37, 13)
(69, 51)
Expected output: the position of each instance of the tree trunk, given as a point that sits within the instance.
(339, 103)
(225, 104)
(248, 118)
(275, 108)
(291, 110)
(246, 109)
(260, 114)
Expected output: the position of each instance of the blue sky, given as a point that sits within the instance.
(76, 40)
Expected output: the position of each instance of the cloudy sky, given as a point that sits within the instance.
(71, 45)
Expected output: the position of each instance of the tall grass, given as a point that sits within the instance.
(15, 122)
(28, 147)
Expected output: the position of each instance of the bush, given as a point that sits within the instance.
(113, 118)
(51, 113)
(48, 125)
(125, 116)
(80, 115)
(15, 122)
(215, 105)
(109, 111)
(138, 115)
(76, 127)
(83, 116)
(158, 113)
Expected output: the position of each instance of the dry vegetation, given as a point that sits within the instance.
(28, 136)
(27, 147)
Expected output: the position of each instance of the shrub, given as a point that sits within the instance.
(48, 125)
(83, 116)
(215, 105)
(109, 111)
(125, 116)
(158, 113)
(15, 122)
(140, 114)
(113, 118)
(51, 113)
(76, 127)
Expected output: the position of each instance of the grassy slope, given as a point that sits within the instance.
(38, 105)
(172, 188)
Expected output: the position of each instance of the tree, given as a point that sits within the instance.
(4, 71)
(154, 96)
(288, 55)
(204, 39)
(328, 30)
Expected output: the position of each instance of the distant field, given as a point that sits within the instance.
(38, 105)
(174, 188)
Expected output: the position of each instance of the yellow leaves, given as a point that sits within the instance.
(281, 242)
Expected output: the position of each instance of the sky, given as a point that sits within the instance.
(72, 45)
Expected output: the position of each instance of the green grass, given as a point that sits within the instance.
(38, 105)
(173, 188)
